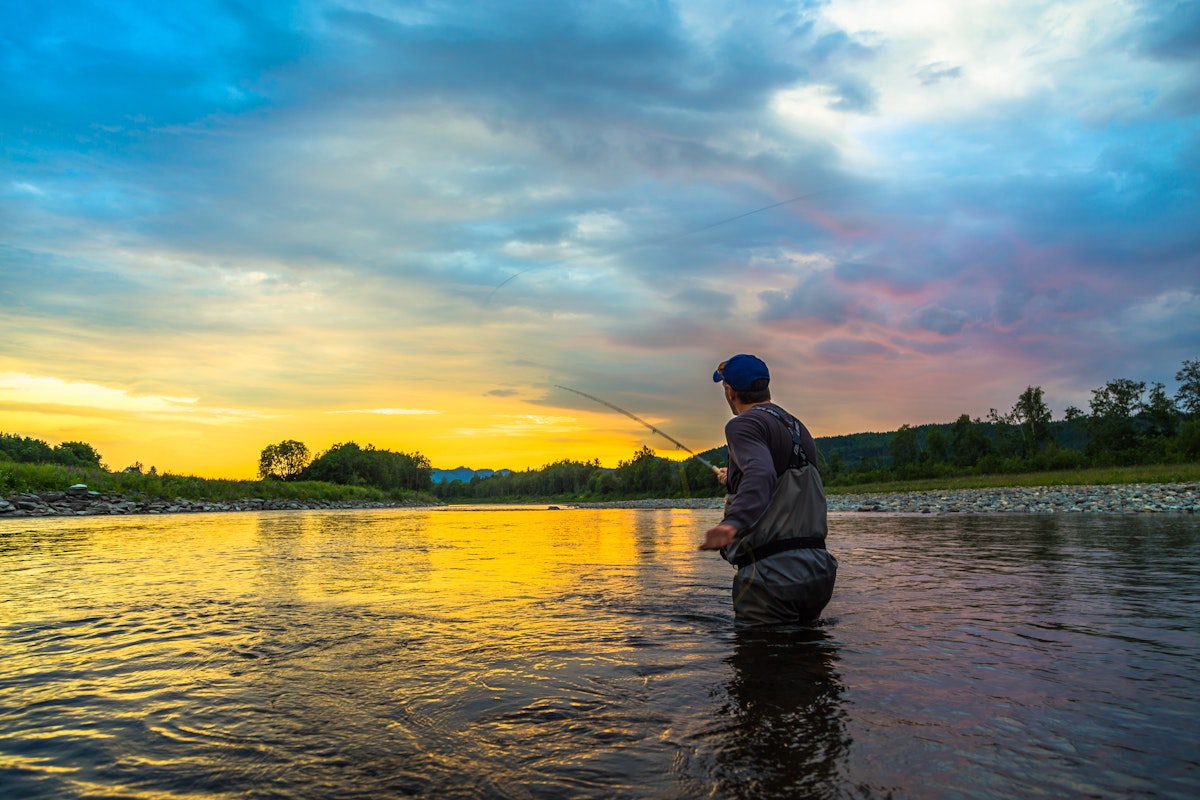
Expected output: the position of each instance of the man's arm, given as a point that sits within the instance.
(748, 439)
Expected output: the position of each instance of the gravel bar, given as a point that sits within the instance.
(1132, 498)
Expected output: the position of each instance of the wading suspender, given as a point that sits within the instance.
(797, 460)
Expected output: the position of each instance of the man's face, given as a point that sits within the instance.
(729, 397)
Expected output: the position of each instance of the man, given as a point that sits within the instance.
(775, 517)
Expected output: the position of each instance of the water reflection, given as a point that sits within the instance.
(591, 654)
(786, 734)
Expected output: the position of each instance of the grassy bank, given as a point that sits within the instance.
(1098, 476)
(52, 477)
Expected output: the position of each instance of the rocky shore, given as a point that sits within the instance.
(78, 500)
(1159, 498)
(1137, 498)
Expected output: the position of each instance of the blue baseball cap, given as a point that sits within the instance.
(741, 372)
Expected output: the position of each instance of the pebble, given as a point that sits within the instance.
(1134, 498)
(79, 501)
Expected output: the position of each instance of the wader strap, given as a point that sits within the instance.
(779, 546)
(798, 458)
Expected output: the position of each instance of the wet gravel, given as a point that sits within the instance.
(1134, 498)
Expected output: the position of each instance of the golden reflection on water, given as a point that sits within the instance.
(462, 652)
(403, 636)
(492, 555)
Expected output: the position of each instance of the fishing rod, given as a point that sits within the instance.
(636, 418)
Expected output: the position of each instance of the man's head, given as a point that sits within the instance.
(746, 378)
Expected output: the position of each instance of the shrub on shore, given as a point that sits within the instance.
(39, 478)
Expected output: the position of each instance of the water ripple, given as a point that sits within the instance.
(589, 653)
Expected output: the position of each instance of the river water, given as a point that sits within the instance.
(535, 653)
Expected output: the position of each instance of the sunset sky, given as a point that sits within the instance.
(224, 224)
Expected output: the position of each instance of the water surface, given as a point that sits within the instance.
(521, 653)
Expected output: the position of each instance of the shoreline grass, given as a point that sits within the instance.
(39, 478)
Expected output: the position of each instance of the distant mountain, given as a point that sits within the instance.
(464, 474)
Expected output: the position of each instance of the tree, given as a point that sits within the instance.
(1033, 416)
(1159, 411)
(349, 464)
(645, 473)
(1188, 395)
(1113, 426)
(1189, 439)
(1118, 399)
(1007, 433)
(968, 442)
(77, 454)
(937, 446)
(285, 461)
(26, 450)
(903, 446)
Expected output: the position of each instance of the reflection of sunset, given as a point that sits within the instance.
(460, 652)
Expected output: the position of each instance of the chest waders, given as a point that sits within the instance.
(784, 573)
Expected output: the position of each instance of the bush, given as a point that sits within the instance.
(1188, 440)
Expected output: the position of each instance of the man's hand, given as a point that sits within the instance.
(722, 475)
(718, 537)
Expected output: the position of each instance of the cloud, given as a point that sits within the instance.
(938, 71)
(938, 319)
(1169, 30)
(519, 425)
(841, 348)
(29, 391)
(387, 411)
(279, 208)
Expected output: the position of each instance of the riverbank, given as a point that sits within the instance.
(1133, 498)
(82, 502)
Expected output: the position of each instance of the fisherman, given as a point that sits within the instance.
(775, 516)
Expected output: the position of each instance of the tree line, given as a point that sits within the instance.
(1128, 422)
(25, 450)
(348, 464)
(643, 475)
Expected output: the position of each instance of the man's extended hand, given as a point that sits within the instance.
(718, 537)
(722, 475)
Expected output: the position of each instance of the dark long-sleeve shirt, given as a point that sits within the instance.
(760, 448)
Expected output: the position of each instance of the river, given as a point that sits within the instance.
(536, 653)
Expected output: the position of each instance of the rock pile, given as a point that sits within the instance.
(80, 501)
(1131, 498)
(1113, 499)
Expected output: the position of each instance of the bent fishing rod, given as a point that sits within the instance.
(636, 418)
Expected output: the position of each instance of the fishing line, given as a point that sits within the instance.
(636, 418)
(660, 240)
